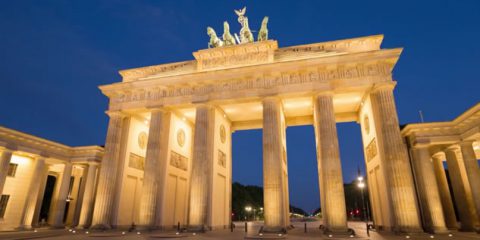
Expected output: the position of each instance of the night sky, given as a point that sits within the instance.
(54, 54)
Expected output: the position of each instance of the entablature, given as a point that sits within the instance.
(464, 127)
(35, 146)
(301, 77)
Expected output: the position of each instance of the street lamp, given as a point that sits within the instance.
(248, 209)
(361, 185)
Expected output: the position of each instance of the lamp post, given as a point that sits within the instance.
(248, 209)
(361, 185)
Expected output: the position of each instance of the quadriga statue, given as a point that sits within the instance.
(228, 39)
(214, 40)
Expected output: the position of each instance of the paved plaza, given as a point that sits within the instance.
(239, 233)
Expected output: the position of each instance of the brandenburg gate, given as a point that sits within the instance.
(168, 155)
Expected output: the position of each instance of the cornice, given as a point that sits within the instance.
(254, 54)
(442, 132)
(19, 141)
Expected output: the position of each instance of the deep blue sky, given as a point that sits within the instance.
(54, 54)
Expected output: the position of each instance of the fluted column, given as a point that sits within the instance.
(156, 155)
(41, 193)
(33, 190)
(4, 163)
(428, 193)
(444, 191)
(473, 172)
(102, 211)
(59, 210)
(395, 160)
(88, 196)
(202, 167)
(275, 211)
(329, 166)
(466, 209)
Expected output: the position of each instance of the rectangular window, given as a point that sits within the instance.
(12, 169)
(3, 204)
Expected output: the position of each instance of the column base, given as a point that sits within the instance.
(198, 228)
(267, 229)
(58, 227)
(407, 230)
(24, 228)
(342, 231)
(101, 226)
(440, 230)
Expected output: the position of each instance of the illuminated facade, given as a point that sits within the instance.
(168, 158)
(45, 183)
(178, 119)
(458, 144)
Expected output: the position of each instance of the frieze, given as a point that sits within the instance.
(260, 82)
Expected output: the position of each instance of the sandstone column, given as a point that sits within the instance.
(329, 165)
(202, 167)
(59, 210)
(4, 163)
(473, 172)
(80, 195)
(33, 190)
(88, 196)
(102, 211)
(444, 191)
(157, 148)
(41, 194)
(275, 211)
(395, 159)
(466, 209)
(428, 192)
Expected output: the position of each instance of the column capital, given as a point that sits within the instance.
(6, 150)
(324, 93)
(271, 98)
(390, 85)
(204, 104)
(88, 164)
(421, 146)
(439, 155)
(157, 109)
(452, 148)
(116, 114)
(466, 142)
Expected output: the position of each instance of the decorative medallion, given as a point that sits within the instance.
(223, 134)
(142, 140)
(181, 137)
(366, 124)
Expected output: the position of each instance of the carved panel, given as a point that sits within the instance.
(222, 159)
(371, 150)
(136, 161)
(179, 161)
(234, 56)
